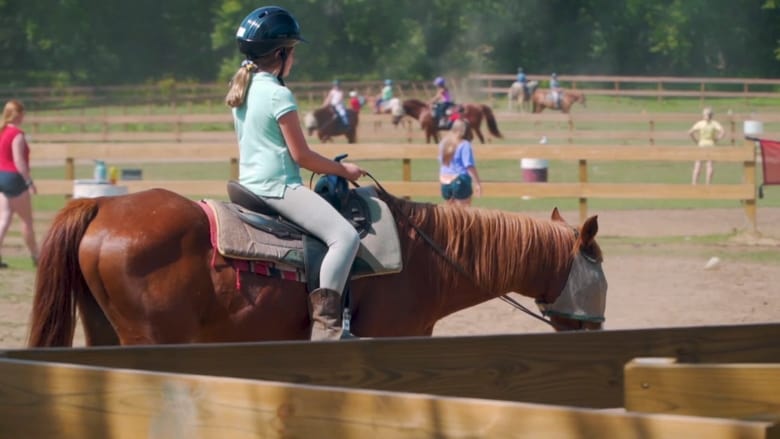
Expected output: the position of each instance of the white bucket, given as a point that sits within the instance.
(534, 170)
(94, 188)
(533, 163)
(753, 128)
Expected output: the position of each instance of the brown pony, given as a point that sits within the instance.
(141, 269)
(472, 113)
(327, 124)
(542, 99)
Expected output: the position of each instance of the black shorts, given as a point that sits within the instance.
(12, 184)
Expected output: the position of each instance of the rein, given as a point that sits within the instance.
(437, 248)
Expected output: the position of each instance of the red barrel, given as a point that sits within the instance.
(535, 175)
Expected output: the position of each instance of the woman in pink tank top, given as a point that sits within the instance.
(16, 183)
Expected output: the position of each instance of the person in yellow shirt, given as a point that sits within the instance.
(705, 133)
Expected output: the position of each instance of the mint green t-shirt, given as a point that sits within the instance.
(265, 164)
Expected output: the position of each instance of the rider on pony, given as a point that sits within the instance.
(441, 102)
(384, 99)
(556, 90)
(523, 82)
(335, 99)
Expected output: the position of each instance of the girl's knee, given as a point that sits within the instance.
(354, 240)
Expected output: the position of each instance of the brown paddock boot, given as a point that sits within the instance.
(326, 315)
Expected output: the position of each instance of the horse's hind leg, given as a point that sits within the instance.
(479, 134)
(97, 329)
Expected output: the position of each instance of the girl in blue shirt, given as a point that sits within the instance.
(272, 148)
(458, 171)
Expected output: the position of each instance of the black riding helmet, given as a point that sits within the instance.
(267, 29)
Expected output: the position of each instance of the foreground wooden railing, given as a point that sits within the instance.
(583, 189)
(719, 383)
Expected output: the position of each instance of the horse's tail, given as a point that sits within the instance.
(491, 121)
(59, 281)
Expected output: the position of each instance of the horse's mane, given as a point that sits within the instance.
(496, 247)
(413, 105)
(578, 94)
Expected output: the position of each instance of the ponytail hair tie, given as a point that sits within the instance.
(249, 65)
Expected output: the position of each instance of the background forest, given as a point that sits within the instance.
(107, 42)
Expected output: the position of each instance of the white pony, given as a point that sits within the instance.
(515, 94)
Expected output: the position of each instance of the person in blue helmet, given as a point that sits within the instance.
(441, 102)
(556, 90)
(522, 80)
(273, 148)
(335, 98)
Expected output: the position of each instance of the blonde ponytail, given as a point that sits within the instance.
(239, 85)
(241, 81)
(452, 140)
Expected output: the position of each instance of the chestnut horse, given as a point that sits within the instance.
(141, 269)
(542, 99)
(472, 113)
(328, 124)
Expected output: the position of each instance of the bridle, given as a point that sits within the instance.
(459, 268)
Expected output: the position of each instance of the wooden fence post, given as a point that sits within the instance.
(177, 130)
(407, 169)
(733, 128)
(583, 168)
(749, 176)
(70, 169)
(233, 168)
(701, 94)
(652, 131)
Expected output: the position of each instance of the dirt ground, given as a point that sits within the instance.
(652, 283)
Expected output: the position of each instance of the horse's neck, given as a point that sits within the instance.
(487, 254)
(414, 108)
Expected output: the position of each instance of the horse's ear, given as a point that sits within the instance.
(556, 215)
(589, 230)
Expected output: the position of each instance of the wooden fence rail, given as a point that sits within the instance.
(658, 86)
(178, 94)
(584, 127)
(733, 390)
(745, 191)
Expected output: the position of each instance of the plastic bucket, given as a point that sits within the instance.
(753, 128)
(94, 188)
(534, 170)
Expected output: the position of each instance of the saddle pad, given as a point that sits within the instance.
(379, 251)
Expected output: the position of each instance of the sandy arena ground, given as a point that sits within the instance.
(650, 284)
